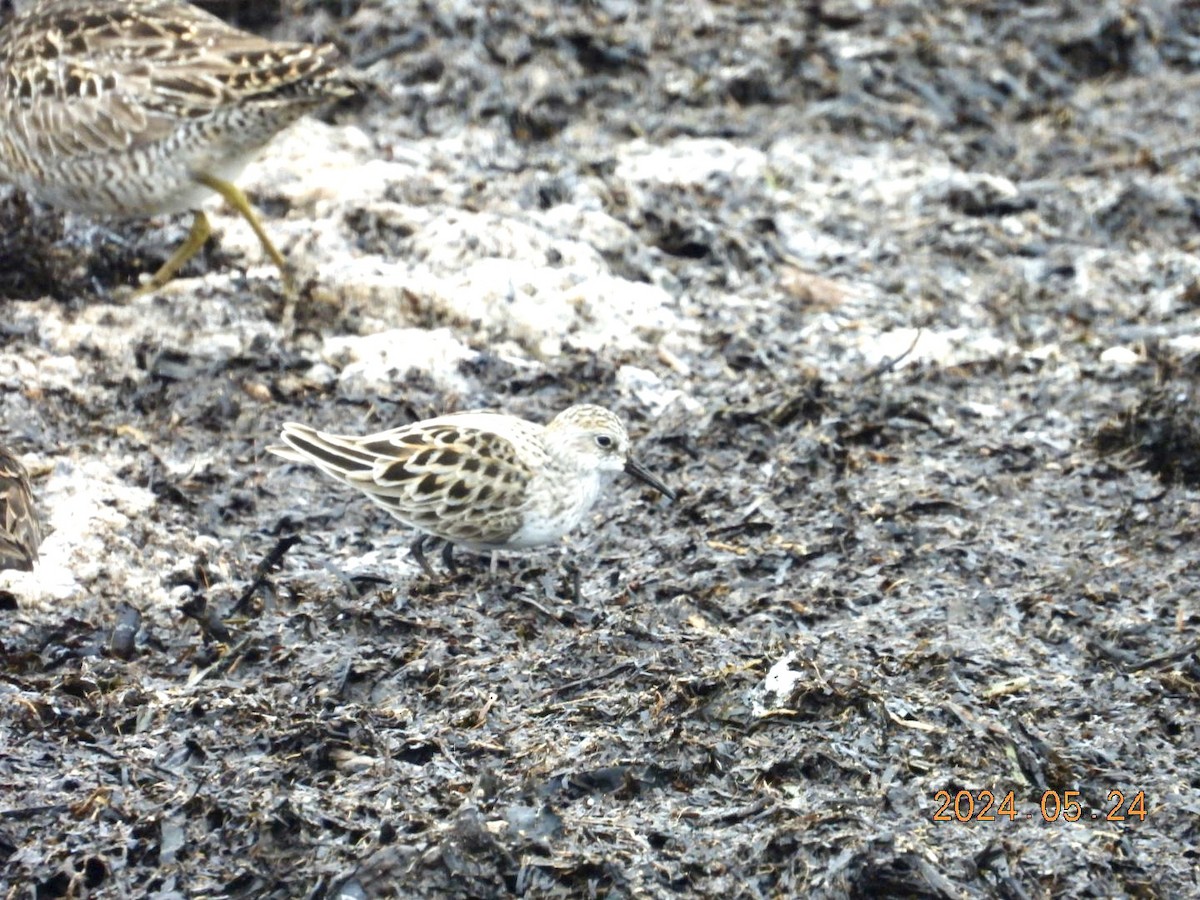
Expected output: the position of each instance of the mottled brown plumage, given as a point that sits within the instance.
(482, 480)
(20, 530)
(138, 108)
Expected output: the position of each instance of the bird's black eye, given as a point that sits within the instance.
(605, 441)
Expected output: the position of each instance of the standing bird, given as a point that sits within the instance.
(136, 108)
(482, 480)
(20, 531)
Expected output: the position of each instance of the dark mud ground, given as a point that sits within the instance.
(972, 570)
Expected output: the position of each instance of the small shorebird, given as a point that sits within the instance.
(20, 530)
(481, 480)
(136, 108)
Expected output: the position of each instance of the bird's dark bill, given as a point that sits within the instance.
(635, 469)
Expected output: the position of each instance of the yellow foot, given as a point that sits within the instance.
(234, 197)
(190, 247)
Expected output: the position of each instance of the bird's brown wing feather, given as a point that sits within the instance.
(459, 483)
(20, 530)
(91, 79)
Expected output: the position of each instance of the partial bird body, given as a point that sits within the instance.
(20, 529)
(140, 108)
(482, 480)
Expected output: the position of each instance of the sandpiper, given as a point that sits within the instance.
(136, 108)
(480, 480)
(20, 530)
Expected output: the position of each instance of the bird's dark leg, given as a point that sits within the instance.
(418, 553)
(448, 557)
(573, 574)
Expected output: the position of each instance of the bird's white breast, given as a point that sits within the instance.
(554, 507)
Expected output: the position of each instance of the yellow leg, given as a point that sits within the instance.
(234, 197)
(189, 248)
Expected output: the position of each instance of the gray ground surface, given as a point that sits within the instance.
(970, 568)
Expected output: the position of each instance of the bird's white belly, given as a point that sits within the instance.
(158, 178)
(132, 187)
(552, 513)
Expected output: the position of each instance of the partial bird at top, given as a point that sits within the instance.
(143, 107)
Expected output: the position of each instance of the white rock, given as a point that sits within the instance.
(1120, 356)
(652, 392)
(689, 161)
(380, 361)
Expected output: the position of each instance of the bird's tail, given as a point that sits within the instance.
(335, 455)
